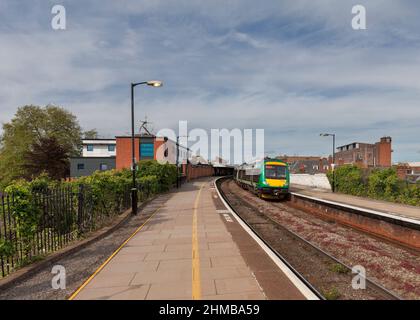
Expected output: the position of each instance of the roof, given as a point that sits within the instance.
(414, 164)
(137, 135)
(350, 144)
(93, 157)
(98, 141)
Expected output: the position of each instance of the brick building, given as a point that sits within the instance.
(148, 147)
(106, 154)
(307, 164)
(409, 171)
(366, 155)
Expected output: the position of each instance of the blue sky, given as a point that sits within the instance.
(295, 68)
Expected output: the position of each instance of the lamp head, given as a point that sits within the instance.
(155, 83)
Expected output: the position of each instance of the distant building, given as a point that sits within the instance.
(366, 155)
(149, 147)
(320, 165)
(97, 154)
(99, 148)
(291, 159)
(409, 171)
(307, 164)
(107, 154)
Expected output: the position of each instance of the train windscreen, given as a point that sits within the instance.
(275, 172)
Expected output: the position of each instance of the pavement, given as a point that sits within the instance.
(376, 205)
(191, 248)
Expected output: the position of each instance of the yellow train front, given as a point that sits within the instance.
(268, 178)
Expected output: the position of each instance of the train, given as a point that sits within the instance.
(267, 178)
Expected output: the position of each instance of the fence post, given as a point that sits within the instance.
(80, 205)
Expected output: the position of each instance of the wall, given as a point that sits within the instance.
(91, 165)
(124, 152)
(314, 181)
(198, 171)
(361, 155)
(405, 233)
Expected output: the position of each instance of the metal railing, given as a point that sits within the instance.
(43, 222)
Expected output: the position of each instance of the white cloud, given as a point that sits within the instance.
(292, 67)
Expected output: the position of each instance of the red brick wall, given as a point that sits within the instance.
(402, 171)
(194, 172)
(123, 158)
(384, 153)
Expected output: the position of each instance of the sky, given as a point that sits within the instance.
(294, 68)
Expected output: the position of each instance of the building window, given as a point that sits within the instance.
(111, 147)
(80, 166)
(103, 167)
(90, 147)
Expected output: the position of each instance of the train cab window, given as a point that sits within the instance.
(275, 172)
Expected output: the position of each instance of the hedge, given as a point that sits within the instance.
(381, 184)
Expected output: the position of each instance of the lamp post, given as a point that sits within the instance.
(333, 156)
(133, 152)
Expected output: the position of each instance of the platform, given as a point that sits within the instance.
(401, 210)
(191, 248)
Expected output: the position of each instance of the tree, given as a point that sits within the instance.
(46, 156)
(29, 126)
(91, 134)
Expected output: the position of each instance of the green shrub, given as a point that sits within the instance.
(6, 248)
(348, 179)
(381, 184)
(165, 173)
(24, 211)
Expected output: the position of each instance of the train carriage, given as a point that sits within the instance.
(268, 178)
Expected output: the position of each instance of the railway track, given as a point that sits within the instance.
(325, 275)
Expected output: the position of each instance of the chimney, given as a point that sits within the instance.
(384, 152)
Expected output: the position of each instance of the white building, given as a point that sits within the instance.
(99, 148)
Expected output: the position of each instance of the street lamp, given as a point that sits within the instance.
(153, 83)
(333, 156)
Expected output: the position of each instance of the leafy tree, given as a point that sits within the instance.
(46, 155)
(30, 125)
(91, 134)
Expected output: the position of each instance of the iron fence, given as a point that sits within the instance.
(44, 222)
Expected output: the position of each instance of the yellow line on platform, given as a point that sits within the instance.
(110, 257)
(196, 284)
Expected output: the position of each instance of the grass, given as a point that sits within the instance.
(331, 294)
(33, 259)
(339, 268)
